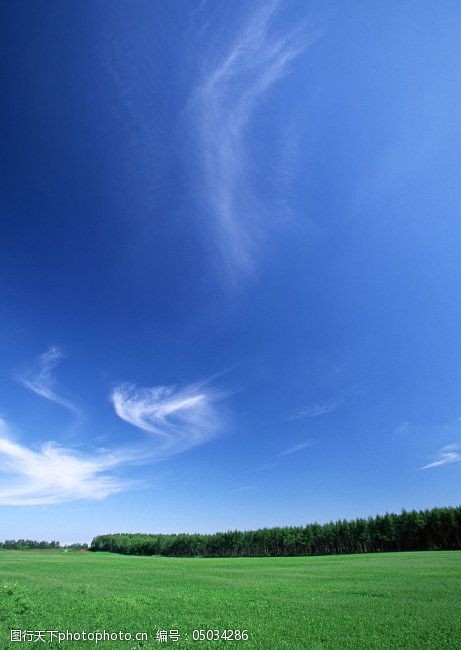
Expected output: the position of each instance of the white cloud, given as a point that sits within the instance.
(175, 420)
(178, 419)
(40, 379)
(447, 455)
(221, 107)
(52, 474)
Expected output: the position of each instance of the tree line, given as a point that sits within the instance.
(415, 530)
(32, 544)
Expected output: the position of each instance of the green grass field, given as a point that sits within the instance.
(393, 600)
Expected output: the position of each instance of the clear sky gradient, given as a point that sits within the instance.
(230, 264)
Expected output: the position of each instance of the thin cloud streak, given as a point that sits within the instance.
(177, 419)
(40, 379)
(264, 468)
(243, 488)
(281, 456)
(221, 107)
(323, 408)
(316, 410)
(447, 455)
(296, 448)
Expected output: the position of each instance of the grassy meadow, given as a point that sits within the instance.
(388, 600)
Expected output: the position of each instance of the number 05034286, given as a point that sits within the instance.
(223, 635)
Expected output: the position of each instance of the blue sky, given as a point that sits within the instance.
(230, 271)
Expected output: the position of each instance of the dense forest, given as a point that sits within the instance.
(417, 530)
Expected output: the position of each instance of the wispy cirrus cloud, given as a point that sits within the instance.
(447, 455)
(40, 379)
(316, 410)
(177, 419)
(328, 406)
(236, 78)
(52, 473)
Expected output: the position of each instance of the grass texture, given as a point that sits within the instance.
(388, 600)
